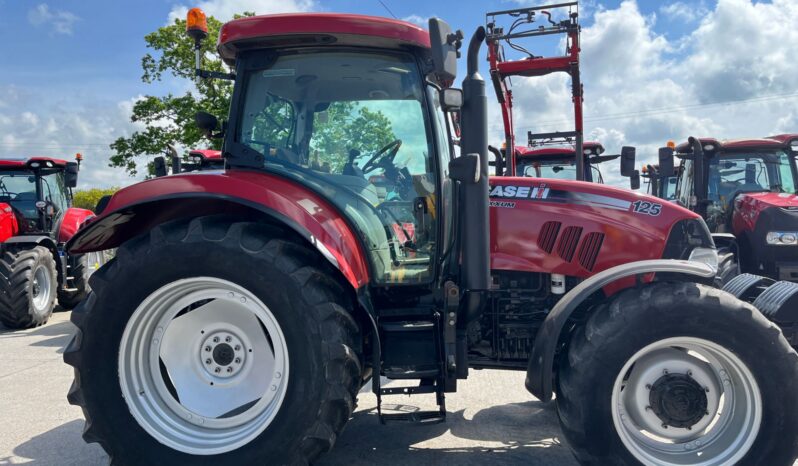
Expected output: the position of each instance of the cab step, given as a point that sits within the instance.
(411, 414)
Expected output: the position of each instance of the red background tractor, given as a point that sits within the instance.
(36, 220)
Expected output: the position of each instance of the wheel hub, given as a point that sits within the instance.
(223, 354)
(678, 400)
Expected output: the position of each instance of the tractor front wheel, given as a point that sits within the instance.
(215, 342)
(28, 284)
(677, 374)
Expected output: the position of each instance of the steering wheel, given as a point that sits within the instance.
(386, 154)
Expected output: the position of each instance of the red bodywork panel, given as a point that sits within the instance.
(73, 219)
(9, 226)
(209, 154)
(21, 162)
(531, 152)
(574, 228)
(346, 29)
(321, 222)
(748, 206)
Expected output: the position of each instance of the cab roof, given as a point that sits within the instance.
(534, 152)
(22, 162)
(315, 29)
(739, 144)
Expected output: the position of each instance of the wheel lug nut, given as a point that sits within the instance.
(664, 426)
(648, 386)
(237, 347)
(665, 371)
(208, 349)
(229, 369)
(228, 339)
(208, 361)
(689, 373)
(237, 360)
(216, 339)
(217, 370)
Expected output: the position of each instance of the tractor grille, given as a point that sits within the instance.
(548, 236)
(568, 241)
(589, 250)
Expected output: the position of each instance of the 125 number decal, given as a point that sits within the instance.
(645, 207)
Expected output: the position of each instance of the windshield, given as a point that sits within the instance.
(356, 121)
(731, 173)
(18, 188)
(558, 169)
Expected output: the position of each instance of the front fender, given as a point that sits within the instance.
(540, 370)
(140, 207)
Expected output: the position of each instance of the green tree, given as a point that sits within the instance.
(346, 126)
(88, 198)
(169, 119)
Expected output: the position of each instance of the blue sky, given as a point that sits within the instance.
(71, 69)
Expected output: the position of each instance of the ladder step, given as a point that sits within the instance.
(409, 390)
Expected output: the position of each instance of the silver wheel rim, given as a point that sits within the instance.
(723, 435)
(41, 290)
(223, 355)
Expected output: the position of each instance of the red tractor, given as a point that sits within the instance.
(746, 191)
(559, 161)
(245, 309)
(36, 220)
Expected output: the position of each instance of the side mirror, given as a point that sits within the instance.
(665, 161)
(465, 169)
(451, 99)
(71, 175)
(628, 155)
(159, 166)
(206, 122)
(634, 180)
(445, 45)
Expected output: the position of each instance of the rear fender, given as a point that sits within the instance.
(140, 207)
(540, 369)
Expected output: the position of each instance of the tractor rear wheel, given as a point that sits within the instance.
(678, 374)
(80, 268)
(237, 346)
(28, 284)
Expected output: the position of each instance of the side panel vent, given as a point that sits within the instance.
(548, 235)
(568, 241)
(589, 250)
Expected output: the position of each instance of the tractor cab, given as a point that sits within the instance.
(659, 184)
(38, 190)
(560, 162)
(746, 188)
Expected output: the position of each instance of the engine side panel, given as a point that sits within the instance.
(574, 228)
(749, 206)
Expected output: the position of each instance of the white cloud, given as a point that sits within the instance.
(224, 10)
(60, 21)
(62, 129)
(640, 92)
(681, 11)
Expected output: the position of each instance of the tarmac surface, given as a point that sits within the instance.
(491, 419)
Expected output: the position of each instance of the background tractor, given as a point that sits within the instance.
(36, 220)
(245, 309)
(745, 189)
(557, 161)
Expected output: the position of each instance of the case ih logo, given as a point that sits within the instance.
(520, 192)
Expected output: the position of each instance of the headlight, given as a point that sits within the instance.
(782, 238)
(708, 256)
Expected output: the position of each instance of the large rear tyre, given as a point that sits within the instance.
(28, 284)
(679, 374)
(236, 347)
(80, 269)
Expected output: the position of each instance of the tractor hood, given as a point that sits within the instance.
(749, 206)
(577, 228)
